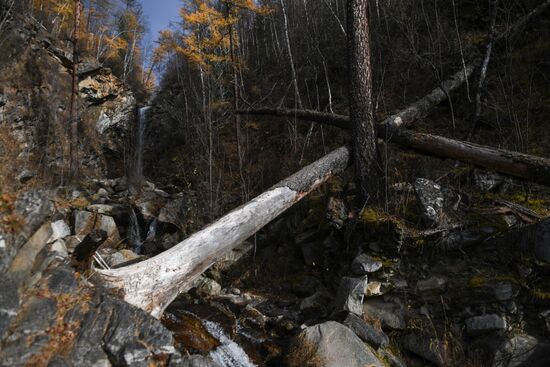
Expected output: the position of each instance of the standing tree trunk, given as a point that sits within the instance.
(367, 158)
(74, 93)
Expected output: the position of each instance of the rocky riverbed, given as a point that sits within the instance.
(320, 286)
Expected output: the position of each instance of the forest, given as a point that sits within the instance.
(294, 183)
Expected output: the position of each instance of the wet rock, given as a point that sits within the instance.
(350, 295)
(366, 332)
(430, 349)
(24, 176)
(364, 264)
(331, 344)
(431, 201)
(390, 314)
(435, 283)
(9, 302)
(486, 323)
(197, 361)
(190, 332)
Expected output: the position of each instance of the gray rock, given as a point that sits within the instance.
(121, 334)
(435, 283)
(350, 295)
(60, 230)
(486, 323)
(390, 314)
(333, 345)
(208, 287)
(490, 181)
(35, 206)
(62, 280)
(368, 333)
(175, 212)
(318, 301)
(120, 257)
(545, 316)
(516, 351)
(37, 316)
(430, 201)
(503, 291)
(536, 238)
(85, 222)
(23, 263)
(9, 302)
(60, 249)
(364, 264)
(430, 349)
(102, 193)
(24, 176)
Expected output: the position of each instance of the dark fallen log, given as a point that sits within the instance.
(520, 165)
(152, 284)
(307, 115)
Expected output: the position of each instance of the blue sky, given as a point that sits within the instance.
(160, 13)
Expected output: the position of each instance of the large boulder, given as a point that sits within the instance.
(331, 344)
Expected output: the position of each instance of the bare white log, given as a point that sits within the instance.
(154, 283)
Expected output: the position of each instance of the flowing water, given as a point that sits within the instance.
(134, 233)
(140, 142)
(229, 353)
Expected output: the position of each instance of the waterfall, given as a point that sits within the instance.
(134, 234)
(139, 143)
(229, 353)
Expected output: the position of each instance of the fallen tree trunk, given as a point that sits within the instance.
(154, 283)
(520, 165)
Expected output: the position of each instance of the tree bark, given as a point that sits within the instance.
(153, 284)
(74, 94)
(369, 173)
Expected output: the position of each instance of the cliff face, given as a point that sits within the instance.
(35, 88)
